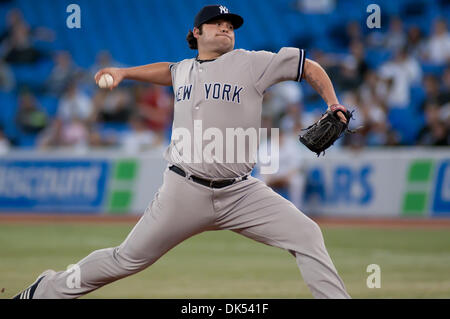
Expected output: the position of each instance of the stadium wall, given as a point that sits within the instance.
(406, 182)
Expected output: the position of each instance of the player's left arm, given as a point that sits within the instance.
(318, 78)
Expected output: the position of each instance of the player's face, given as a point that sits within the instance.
(217, 36)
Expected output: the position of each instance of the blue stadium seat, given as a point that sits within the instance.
(315, 106)
(112, 129)
(7, 114)
(429, 68)
(376, 57)
(26, 141)
(49, 104)
(141, 33)
(407, 122)
(32, 75)
(417, 97)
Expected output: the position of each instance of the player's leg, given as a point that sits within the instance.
(171, 218)
(263, 215)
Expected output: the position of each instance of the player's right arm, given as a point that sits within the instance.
(156, 73)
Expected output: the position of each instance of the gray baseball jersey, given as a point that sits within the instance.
(220, 94)
(225, 94)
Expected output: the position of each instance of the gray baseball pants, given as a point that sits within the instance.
(182, 208)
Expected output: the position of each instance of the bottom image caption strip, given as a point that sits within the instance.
(227, 308)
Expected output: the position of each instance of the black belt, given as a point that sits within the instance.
(206, 182)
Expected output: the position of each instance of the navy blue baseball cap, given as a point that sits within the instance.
(217, 11)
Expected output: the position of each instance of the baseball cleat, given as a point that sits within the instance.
(29, 292)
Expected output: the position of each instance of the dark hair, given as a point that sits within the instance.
(191, 40)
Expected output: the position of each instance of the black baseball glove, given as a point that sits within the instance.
(322, 134)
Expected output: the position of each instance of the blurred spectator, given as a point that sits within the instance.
(4, 143)
(371, 94)
(431, 87)
(99, 140)
(316, 6)
(437, 50)
(16, 20)
(373, 91)
(63, 72)
(377, 133)
(343, 37)
(30, 117)
(435, 131)
(445, 114)
(7, 80)
(415, 43)
(52, 135)
(155, 105)
(139, 138)
(435, 134)
(290, 106)
(113, 106)
(291, 119)
(393, 138)
(74, 133)
(360, 118)
(295, 117)
(399, 74)
(279, 98)
(74, 104)
(288, 181)
(346, 71)
(376, 126)
(18, 37)
(102, 60)
(352, 68)
(395, 38)
(444, 94)
(19, 48)
(354, 32)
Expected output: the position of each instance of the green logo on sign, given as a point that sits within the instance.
(122, 186)
(419, 182)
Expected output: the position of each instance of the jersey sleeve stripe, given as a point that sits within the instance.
(301, 63)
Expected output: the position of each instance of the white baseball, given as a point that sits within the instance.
(106, 81)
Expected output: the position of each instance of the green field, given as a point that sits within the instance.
(415, 263)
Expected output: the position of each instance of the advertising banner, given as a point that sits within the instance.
(371, 183)
(389, 183)
(63, 183)
(47, 185)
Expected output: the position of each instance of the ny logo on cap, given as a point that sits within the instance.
(223, 9)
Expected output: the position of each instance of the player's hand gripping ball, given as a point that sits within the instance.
(106, 81)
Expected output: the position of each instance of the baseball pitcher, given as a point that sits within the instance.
(221, 89)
